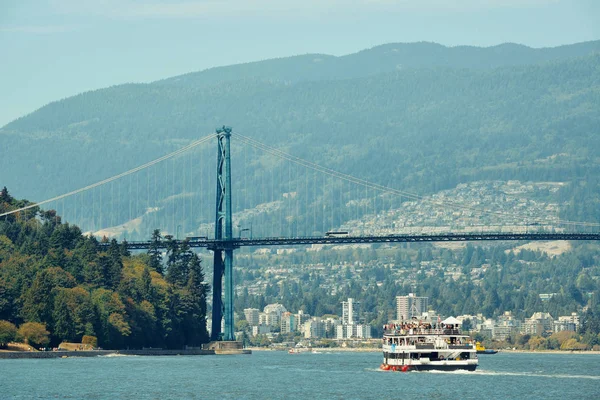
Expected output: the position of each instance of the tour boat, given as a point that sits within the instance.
(415, 346)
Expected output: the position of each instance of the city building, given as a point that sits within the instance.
(331, 326)
(276, 308)
(270, 319)
(410, 306)
(350, 311)
(252, 316)
(539, 323)
(567, 323)
(261, 330)
(302, 317)
(473, 321)
(271, 315)
(350, 326)
(288, 322)
(364, 331)
(505, 325)
(486, 328)
(314, 328)
(341, 332)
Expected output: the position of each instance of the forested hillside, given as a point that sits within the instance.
(417, 117)
(55, 280)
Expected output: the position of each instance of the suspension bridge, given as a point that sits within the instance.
(280, 200)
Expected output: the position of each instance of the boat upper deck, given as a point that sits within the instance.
(422, 331)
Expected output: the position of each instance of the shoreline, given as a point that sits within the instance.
(596, 352)
(4, 354)
(325, 349)
(13, 355)
(377, 350)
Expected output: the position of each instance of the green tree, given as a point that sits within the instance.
(113, 326)
(193, 305)
(64, 326)
(90, 340)
(124, 250)
(5, 197)
(145, 288)
(74, 314)
(38, 300)
(34, 333)
(154, 251)
(8, 332)
(114, 266)
(6, 299)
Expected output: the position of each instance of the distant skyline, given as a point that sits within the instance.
(58, 48)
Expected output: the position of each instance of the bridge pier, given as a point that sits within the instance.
(223, 268)
(224, 235)
(229, 288)
(217, 295)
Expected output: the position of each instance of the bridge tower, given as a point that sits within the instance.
(223, 266)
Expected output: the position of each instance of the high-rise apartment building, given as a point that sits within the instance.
(288, 322)
(350, 311)
(410, 306)
(251, 315)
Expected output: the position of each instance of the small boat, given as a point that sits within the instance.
(422, 347)
(482, 350)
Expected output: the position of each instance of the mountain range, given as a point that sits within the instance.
(419, 117)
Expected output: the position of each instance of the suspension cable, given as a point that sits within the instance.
(349, 178)
(113, 178)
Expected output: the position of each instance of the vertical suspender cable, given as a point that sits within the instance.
(130, 199)
(101, 221)
(137, 196)
(174, 228)
(147, 214)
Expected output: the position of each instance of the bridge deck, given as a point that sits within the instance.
(212, 244)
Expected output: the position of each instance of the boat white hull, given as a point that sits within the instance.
(430, 367)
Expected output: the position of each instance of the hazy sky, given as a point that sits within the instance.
(51, 49)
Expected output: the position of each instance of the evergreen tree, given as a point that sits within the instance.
(64, 326)
(145, 286)
(5, 197)
(114, 268)
(193, 301)
(155, 253)
(124, 250)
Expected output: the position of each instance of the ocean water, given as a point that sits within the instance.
(279, 375)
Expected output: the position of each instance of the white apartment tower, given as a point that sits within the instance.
(410, 306)
(350, 312)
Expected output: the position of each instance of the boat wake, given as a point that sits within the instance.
(375, 370)
(494, 373)
(524, 374)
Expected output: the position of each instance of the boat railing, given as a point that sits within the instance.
(424, 346)
(460, 346)
(421, 331)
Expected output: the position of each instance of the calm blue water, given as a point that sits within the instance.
(278, 375)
